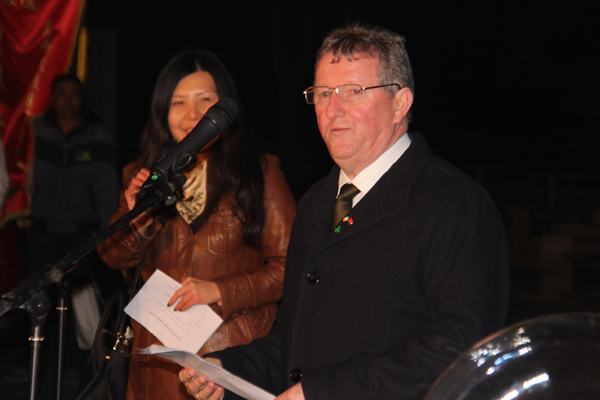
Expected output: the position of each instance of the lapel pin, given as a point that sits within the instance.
(349, 220)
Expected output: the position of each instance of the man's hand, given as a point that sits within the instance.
(293, 393)
(199, 386)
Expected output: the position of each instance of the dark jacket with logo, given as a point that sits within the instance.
(74, 182)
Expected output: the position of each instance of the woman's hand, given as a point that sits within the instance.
(199, 386)
(134, 187)
(195, 291)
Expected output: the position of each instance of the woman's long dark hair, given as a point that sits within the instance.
(234, 164)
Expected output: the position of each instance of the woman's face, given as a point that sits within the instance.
(192, 97)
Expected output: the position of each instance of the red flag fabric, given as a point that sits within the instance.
(37, 41)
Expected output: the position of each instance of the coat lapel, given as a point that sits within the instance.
(390, 195)
(318, 202)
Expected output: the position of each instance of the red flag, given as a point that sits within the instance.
(37, 40)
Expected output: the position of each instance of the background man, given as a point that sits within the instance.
(74, 192)
(379, 302)
(74, 181)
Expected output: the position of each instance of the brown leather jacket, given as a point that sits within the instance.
(249, 279)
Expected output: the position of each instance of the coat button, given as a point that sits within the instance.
(312, 278)
(296, 375)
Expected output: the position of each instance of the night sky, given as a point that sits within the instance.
(512, 86)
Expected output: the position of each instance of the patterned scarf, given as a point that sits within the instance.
(192, 196)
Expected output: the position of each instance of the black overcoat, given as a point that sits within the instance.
(416, 275)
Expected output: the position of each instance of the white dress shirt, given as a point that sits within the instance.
(368, 177)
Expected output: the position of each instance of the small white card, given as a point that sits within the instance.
(181, 330)
(212, 372)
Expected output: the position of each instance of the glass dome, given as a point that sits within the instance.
(552, 357)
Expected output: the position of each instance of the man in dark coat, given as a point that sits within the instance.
(378, 303)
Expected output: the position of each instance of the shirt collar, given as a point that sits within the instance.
(368, 177)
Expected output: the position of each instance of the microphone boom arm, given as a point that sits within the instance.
(54, 273)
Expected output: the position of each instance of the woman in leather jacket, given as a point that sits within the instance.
(225, 238)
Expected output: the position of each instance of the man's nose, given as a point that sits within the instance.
(334, 106)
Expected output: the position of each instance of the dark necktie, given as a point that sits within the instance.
(343, 204)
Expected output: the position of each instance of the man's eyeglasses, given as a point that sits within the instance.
(348, 93)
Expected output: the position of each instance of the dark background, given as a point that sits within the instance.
(511, 86)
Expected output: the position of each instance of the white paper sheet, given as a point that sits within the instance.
(212, 372)
(181, 330)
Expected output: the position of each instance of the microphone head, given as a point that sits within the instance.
(216, 119)
(222, 113)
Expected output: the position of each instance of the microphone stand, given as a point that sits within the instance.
(31, 293)
(62, 307)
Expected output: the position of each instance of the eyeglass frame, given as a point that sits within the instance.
(335, 89)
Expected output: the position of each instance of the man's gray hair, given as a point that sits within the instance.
(358, 39)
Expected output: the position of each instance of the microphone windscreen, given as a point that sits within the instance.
(222, 113)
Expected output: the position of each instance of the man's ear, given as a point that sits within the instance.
(403, 100)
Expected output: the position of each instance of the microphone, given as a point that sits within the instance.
(216, 119)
